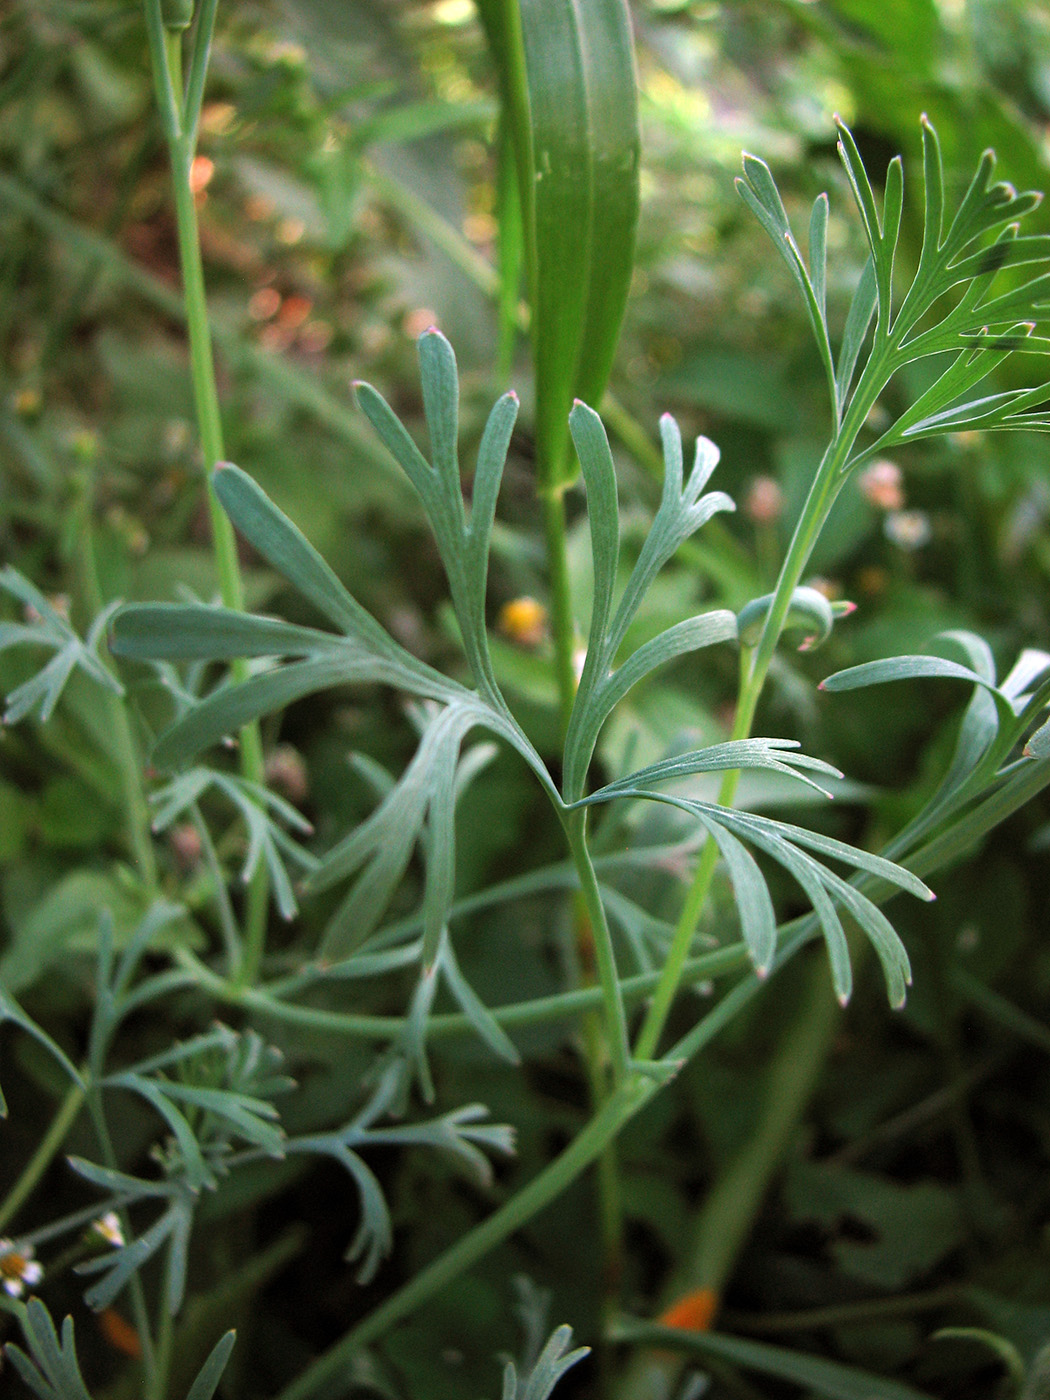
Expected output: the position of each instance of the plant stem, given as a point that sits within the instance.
(46, 1150)
(623, 1104)
(135, 1289)
(139, 832)
(227, 921)
(561, 1006)
(165, 1337)
(729, 1209)
(179, 119)
(595, 943)
(754, 670)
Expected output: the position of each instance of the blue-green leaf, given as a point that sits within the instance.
(186, 632)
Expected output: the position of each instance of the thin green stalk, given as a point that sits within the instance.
(558, 1007)
(231, 936)
(627, 1100)
(165, 1338)
(135, 1289)
(623, 1104)
(179, 117)
(754, 670)
(138, 829)
(730, 1208)
(600, 940)
(47, 1149)
(845, 1314)
(593, 931)
(563, 626)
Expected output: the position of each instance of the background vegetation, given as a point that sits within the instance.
(348, 194)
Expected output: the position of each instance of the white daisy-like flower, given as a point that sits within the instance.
(108, 1227)
(18, 1269)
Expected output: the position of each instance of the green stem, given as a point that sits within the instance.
(46, 1150)
(599, 949)
(754, 670)
(165, 1337)
(135, 1289)
(845, 1314)
(179, 124)
(227, 920)
(623, 1104)
(138, 829)
(729, 1209)
(561, 1006)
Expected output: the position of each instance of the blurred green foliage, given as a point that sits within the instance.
(348, 194)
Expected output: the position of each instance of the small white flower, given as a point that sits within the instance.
(18, 1269)
(108, 1227)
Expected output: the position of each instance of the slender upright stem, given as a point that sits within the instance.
(550, 1183)
(135, 1289)
(179, 119)
(601, 941)
(754, 671)
(139, 833)
(47, 1148)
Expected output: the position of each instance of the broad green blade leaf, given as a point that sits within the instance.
(976, 649)
(828, 1379)
(567, 73)
(180, 632)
